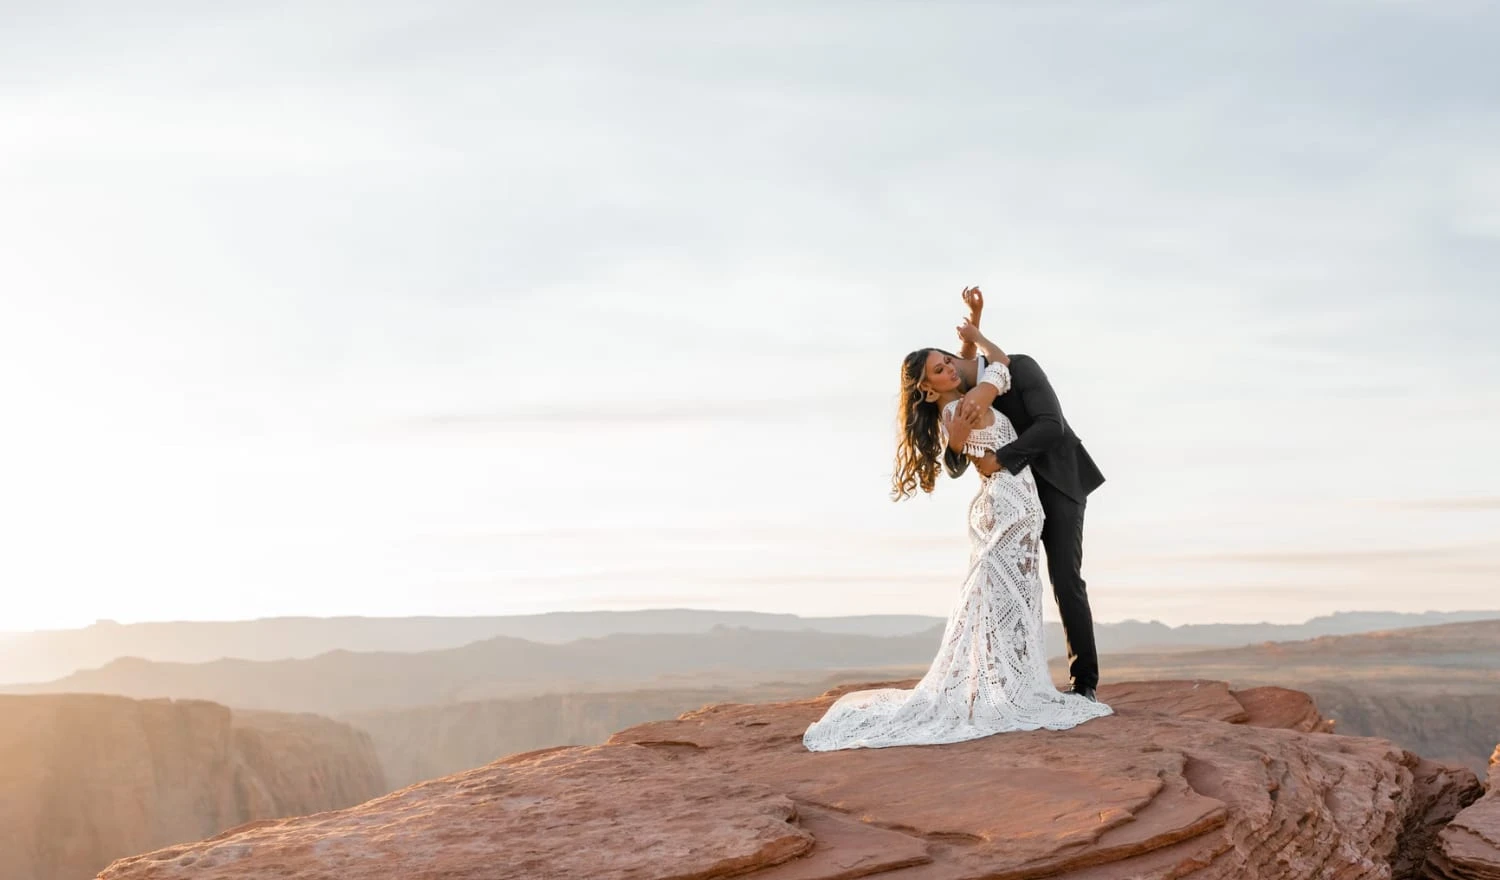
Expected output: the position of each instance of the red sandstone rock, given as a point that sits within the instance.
(1190, 699)
(1283, 708)
(601, 813)
(1166, 788)
(1469, 848)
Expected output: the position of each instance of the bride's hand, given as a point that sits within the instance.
(967, 332)
(971, 410)
(974, 299)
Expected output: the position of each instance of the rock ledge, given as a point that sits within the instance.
(1189, 778)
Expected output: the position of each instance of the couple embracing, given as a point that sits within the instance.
(990, 676)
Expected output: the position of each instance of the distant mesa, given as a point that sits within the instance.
(51, 655)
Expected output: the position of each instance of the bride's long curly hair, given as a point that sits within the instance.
(919, 449)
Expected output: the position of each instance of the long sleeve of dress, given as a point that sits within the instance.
(998, 375)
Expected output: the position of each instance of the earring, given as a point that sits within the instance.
(931, 396)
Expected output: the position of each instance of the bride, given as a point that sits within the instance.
(990, 673)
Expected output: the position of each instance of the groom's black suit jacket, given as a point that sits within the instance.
(1045, 440)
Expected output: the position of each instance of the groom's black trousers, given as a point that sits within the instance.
(1062, 536)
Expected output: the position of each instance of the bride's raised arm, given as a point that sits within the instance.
(974, 299)
(986, 384)
(994, 381)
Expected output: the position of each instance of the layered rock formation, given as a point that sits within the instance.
(1469, 848)
(292, 765)
(86, 779)
(1187, 779)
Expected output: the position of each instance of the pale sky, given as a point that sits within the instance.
(452, 308)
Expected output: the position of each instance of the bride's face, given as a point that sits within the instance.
(940, 374)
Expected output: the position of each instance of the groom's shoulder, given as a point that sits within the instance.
(1024, 370)
(1024, 363)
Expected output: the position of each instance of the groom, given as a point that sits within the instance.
(1065, 477)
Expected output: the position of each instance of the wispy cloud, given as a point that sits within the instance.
(1419, 554)
(584, 411)
(1453, 504)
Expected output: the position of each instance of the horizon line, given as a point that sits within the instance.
(110, 622)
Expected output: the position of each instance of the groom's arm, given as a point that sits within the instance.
(955, 462)
(1040, 402)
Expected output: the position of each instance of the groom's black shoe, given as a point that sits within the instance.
(1084, 691)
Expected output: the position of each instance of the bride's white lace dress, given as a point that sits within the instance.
(990, 673)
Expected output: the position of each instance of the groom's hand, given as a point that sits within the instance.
(987, 465)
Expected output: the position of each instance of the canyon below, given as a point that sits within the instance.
(86, 778)
(139, 754)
